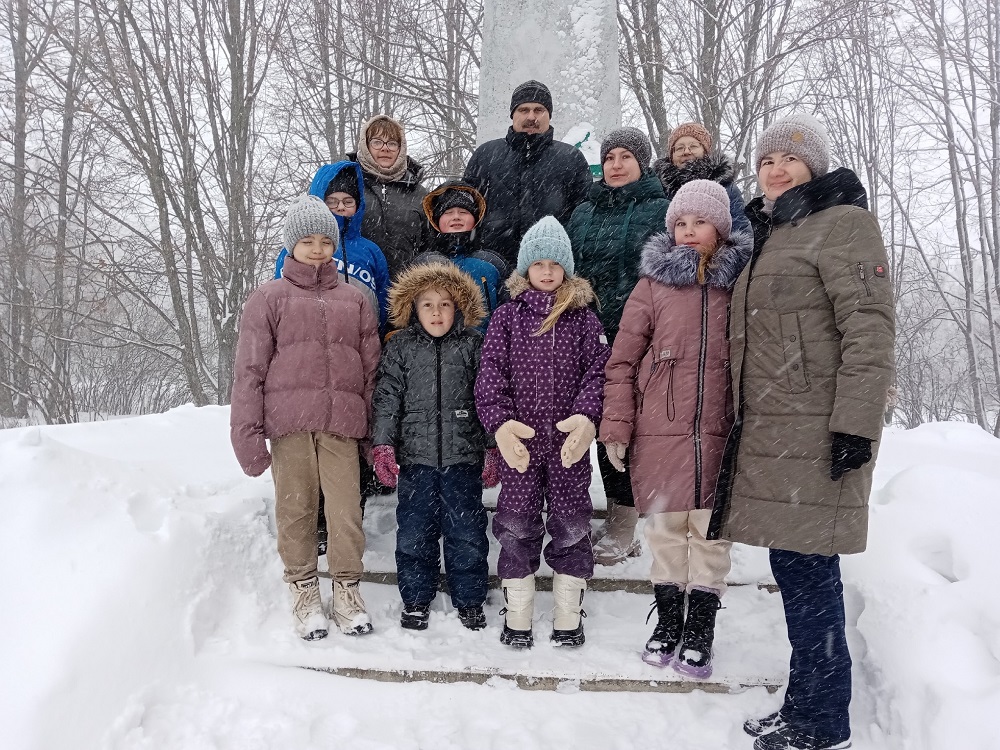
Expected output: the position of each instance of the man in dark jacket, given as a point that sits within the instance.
(526, 175)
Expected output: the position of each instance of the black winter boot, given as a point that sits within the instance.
(415, 616)
(695, 657)
(666, 635)
(472, 617)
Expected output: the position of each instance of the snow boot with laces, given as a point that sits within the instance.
(567, 617)
(307, 609)
(349, 608)
(669, 607)
(519, 595)
(415, 616)
(766, 725)
(694, 659)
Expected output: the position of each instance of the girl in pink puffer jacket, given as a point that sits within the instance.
(668, 406)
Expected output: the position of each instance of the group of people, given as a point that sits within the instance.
(731, 362)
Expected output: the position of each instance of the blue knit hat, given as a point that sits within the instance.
(546, 240)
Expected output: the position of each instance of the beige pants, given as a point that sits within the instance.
(301, 464)
(682, 555)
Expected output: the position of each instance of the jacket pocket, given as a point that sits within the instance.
(791, 345)
(467, 436)
(659, 363)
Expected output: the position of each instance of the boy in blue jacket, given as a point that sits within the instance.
(454, 210)
(360, 261)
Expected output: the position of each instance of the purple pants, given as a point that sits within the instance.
(564, 493)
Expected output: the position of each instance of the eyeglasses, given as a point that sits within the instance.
(332, 202)
(377, 144)
(688, 149)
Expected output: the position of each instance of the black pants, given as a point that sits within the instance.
(617, 484)
(818, 696)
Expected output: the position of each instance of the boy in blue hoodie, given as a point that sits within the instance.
(454, 210)
(360, 261)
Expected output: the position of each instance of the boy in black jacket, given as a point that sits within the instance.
(425, 420)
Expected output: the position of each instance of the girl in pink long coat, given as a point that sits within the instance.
(668, 404)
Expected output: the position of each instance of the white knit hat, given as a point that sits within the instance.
(801, 135)
(309, 215)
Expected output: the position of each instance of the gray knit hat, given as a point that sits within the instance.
(546, 240)
(703, 198)
(531, 91)
(630, 139)
(801, 135)
(309, 215)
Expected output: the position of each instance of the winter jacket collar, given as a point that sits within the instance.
(529, 145)
(677, 265)
(647, 187)
(541, 303)
(306, 276)
(838, 188)
(350, 227)
(412, 177)
(417, 279)
(715, 168)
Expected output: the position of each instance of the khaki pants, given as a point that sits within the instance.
(682, 555)
(302, 463)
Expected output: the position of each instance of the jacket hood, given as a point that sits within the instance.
(840, 187)
(647, 187)
(576, 287)
(416, 280)
(677, 265)
(428, 201)
(349, 228)
(715, 168)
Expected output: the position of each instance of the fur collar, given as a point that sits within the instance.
(715, 168)
(677, 265)
(576, 287)
(417, 279)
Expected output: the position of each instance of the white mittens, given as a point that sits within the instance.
(581, 434)
(509, 438)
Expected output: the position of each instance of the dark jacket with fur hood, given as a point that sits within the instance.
(424, 404)
(668, 393)
(715, 168)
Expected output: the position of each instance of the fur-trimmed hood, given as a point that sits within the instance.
(576, 287)
(677, 265)
(446, 276)
(718, 169)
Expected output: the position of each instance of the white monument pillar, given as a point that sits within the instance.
(570, 46)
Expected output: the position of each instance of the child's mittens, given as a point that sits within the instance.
(491, 468)
(616, 454)
(581, 434)
(509, 443)
(386, 470)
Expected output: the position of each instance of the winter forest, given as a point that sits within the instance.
(149, 147)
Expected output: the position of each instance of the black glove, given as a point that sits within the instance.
(848, 452)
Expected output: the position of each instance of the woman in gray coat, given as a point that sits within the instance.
(812, 358)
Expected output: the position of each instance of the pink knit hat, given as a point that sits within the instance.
(706, 199)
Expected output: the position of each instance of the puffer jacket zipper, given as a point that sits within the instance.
(700, 399)
(440, 413)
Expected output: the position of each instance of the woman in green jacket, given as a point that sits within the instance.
(608, 231)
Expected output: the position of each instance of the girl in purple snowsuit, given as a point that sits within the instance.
(540, 389)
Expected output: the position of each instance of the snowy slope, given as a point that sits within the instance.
(144, 608)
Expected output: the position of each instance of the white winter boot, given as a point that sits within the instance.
(615, 541)
(307, 609)
(349, 608)
(567, 618)
(519, 594)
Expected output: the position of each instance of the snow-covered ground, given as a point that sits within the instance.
(142, 607)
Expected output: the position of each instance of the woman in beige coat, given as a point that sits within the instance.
(812, 349)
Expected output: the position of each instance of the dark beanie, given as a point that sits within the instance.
(454, 198)
(632, 140)
(531, 91)
(345, 181)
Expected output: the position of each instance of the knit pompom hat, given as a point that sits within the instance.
(801, 135)
(694, 130)
(531, 91)
(455, 199)
(309, 215)
(703, 198)
(546, 240)
(630, 139)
